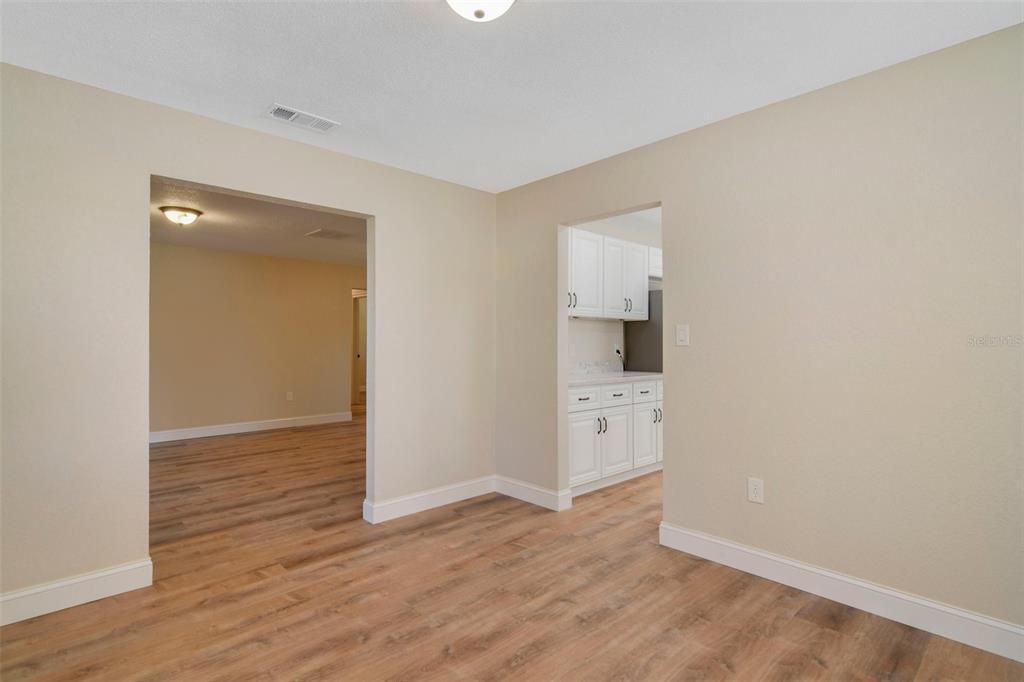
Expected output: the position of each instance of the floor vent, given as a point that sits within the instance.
(301, 119)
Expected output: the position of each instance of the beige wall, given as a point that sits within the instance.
(230, 334)
(76, 178)
(833, 254)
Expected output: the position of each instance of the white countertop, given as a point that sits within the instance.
(612, 378)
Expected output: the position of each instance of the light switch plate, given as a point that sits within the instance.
(682, 335)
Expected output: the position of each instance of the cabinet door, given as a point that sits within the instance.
(660, 431)
(615, 278)
(645, 434)
(617, 440)
(584, 447)
(655, 266)
(636, 281)
(586, 273)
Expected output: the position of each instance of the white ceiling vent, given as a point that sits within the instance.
(301, 119)
(327, 233)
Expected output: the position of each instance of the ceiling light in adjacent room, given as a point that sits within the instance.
(480, 10)
(179, 215)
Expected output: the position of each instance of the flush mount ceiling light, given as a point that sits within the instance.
(179, 215)
(480, 10)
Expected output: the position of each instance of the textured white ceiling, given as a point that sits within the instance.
(235, 222)
(550, 86)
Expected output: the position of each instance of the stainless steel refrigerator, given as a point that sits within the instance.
(643, 339)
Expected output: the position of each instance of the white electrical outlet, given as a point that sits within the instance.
(289, 396)
(755, 490)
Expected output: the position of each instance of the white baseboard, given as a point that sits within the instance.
(584, 488)
(61, 594)
(246, 427)
(990, 634)
(377, 512)
(556, 500)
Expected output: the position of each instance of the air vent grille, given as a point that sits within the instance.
(301, 119)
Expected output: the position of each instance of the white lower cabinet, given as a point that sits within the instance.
(584, 447)
(660, 429)
(645, 434)
(613, 429)
(616, 440)
(600, 443)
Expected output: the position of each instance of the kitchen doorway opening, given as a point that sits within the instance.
(610, 357)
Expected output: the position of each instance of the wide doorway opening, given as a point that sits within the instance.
(259, 308)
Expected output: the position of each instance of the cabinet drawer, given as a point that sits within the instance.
(645, 391)
(661, 390)
(584, 398)
(616, 394)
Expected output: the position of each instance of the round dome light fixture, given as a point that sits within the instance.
(480, 10)
(180, 215)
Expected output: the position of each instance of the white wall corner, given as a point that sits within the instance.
(247, 427)
(556, 500)
(61, 594)
(997, 636)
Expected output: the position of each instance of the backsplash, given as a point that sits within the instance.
(591, 345)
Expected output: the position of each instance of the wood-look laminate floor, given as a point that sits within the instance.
(265, 571)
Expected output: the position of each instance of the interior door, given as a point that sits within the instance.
(359, 373)
(645, 434)
(586, 273)
(617, 440)
(584, 447)
(637, 266)
(615, 278)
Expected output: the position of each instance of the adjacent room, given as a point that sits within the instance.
(257, 367)
(511, 340)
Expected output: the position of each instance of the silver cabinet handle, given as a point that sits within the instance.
(574, 300)
(583, 400)
(605, 424)
(630, 304)
(616, 395)
(661, 415)
(569, 294)
(599, 426)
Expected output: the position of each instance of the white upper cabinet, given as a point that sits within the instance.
(607, 277)
(654, 261)
(636, 282)
(615, 282)
(586, 274)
